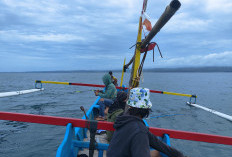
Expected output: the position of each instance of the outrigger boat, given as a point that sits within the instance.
(76, 137)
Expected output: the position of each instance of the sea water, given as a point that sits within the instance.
(213, 90)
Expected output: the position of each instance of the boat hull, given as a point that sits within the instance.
(73, 141)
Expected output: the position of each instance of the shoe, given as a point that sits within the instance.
(100, 118)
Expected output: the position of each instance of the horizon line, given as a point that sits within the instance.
(163, 69)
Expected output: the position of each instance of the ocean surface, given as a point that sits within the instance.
(19, 139)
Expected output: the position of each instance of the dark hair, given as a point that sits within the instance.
(141, 112)
(121, 96)
(119, 102)
(110, 72)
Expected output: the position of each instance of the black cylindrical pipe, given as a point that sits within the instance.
(164, 18)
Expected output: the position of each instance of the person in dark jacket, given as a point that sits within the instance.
(106, 97)
(131, 137)
(116, 109)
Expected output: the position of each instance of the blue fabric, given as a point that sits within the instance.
(103, 104)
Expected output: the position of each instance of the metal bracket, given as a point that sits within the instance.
(41, 86)
(195, 99)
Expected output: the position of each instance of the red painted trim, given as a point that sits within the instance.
(93, 85)
(155, 91)
(51, 120)
(89, 85)
(63, 121)
(192, 136)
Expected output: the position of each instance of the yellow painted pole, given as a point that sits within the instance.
(134, 82)
(93, 85)
(137, 53)
(53, 82)
(122, 72)
(179, 94)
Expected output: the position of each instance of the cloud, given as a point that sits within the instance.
(184, 22)
(212, 59)
(221, 7)
(74, 33)
(209, 6)
(99, 57)
(15, 35)
(34, 58)
(51, 37)
(199, 16)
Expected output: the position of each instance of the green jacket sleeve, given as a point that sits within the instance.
(110, 92)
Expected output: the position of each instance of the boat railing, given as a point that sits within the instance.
(69, 136)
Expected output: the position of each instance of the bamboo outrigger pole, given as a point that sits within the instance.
(5, 94)
(63, 121)
(223, 115)
(124, 88)
(164, 18)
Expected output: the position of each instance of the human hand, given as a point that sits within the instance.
(101, 99)
(96, 92)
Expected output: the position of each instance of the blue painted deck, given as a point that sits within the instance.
(74, 136)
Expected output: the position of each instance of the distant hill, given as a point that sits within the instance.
(192, 69)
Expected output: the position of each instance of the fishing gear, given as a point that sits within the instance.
(92, 126)
(83, 109)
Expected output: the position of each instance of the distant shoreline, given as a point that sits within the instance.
(192, 69)
(181, 69)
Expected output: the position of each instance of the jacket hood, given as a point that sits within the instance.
(121, 96)
(124, 119)
(106, 79)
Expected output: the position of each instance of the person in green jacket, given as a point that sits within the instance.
(106, 97)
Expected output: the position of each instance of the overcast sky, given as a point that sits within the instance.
(38, 35)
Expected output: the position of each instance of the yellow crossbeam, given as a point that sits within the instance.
(179, 94)
(53, 82)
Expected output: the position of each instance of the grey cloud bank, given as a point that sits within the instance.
(82, 35)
